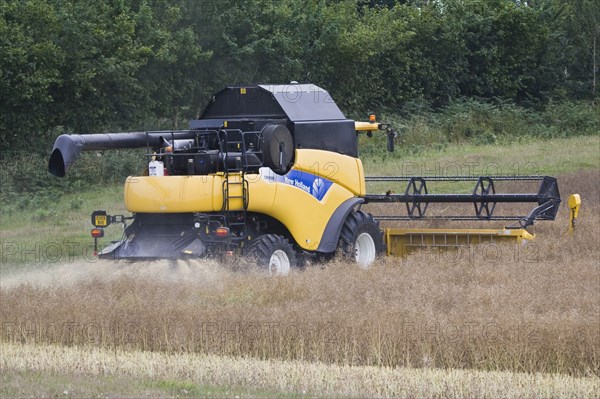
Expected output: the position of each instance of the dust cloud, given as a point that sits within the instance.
(201, 272)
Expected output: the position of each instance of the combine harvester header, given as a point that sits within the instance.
(272, 172)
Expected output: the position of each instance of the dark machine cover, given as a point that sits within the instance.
(312, 116)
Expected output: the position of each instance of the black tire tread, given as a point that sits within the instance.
(353, 224)
(262, 247)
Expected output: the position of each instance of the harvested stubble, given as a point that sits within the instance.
(313, 379)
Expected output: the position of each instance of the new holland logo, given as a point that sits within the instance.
(312, 184)
(318, 188)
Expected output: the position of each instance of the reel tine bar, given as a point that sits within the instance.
(415, 187)
(483, 197)
(484, 187)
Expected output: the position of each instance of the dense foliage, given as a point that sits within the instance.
(89, 66)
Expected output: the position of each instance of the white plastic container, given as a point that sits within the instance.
(156, 168)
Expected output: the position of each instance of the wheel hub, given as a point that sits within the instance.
(364, 250)
(279, 262)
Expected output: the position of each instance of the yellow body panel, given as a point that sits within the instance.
(173, 194)
(341, 169)
(188, 194)
(304, 215)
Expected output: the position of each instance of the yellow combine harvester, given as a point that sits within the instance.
(272, 172)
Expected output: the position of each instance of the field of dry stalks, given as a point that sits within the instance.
(532, 309)
(268, 378)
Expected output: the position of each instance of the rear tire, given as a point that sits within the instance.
(361, 239)
(273, 253)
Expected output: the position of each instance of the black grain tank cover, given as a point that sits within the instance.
(312, 116)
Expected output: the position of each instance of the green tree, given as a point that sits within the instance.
(503, 42)
(172, 77)
(30, 64)
(583, 27)
(98, 87)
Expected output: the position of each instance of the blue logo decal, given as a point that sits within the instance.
(312, 184)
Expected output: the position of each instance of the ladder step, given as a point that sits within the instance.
(234, 176)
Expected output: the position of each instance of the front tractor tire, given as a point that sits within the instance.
(273, 253)
(361, 239)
